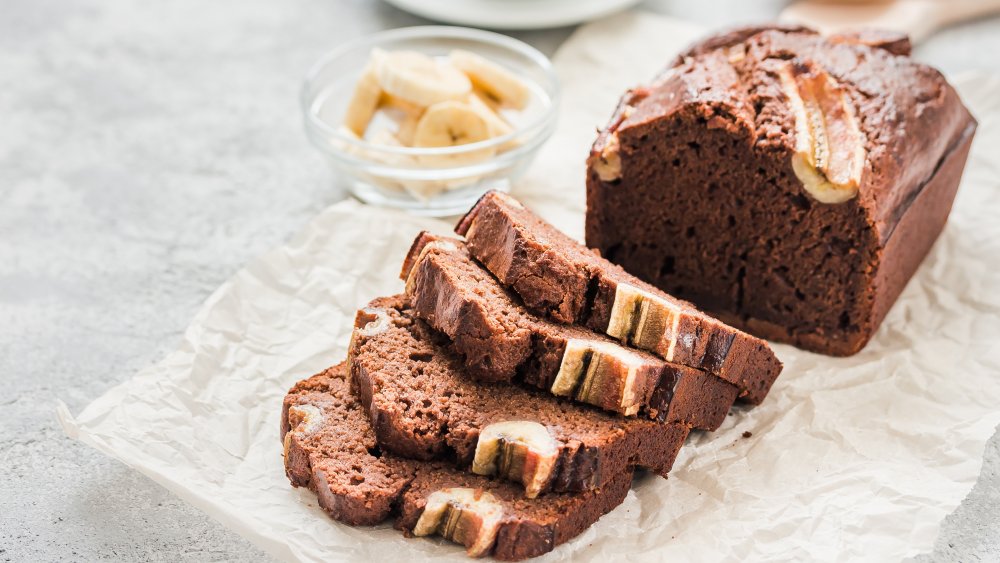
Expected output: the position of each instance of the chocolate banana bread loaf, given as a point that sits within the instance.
(559, 277)
(422, 406)
(330, 447)
(501, 341)
(787, 182)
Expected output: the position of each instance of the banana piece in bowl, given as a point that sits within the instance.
(420, 101)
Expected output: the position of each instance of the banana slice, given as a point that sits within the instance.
(492, 78)
(404, 114)
(398, 105)
(419, 79)
(364, 101)
(497, 125)
(408, 128)
(448, 124)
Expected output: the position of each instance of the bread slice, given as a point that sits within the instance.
(330, 447)
(559, 277)
(501, 341)
(423, 406)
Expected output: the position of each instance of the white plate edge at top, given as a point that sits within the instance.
(501, 14)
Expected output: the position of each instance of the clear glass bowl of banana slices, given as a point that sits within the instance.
(430, 118)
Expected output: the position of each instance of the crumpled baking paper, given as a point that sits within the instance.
(848, 458)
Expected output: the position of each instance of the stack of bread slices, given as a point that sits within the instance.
(506, 398)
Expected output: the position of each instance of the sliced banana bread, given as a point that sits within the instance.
(559, 277)
(501, 341)
(423, 406)
(330, 447)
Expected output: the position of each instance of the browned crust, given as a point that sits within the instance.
(465, 222)
(628, 100)
(919, 227)
(734, 36)
(414, 252)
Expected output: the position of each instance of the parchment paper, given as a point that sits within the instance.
(858, 457)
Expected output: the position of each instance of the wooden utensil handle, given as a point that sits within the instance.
(953, 11)
(918, 18)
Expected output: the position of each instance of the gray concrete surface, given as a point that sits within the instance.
(147, 150)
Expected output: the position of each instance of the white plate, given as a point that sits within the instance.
(512, 14)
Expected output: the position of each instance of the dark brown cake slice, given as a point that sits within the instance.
(501, 341)
(559, 277)
(423, 406)
(330, 447)
(788, 182)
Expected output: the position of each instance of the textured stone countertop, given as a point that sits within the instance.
(148, 150)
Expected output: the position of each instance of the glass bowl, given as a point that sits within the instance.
(428, 181)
